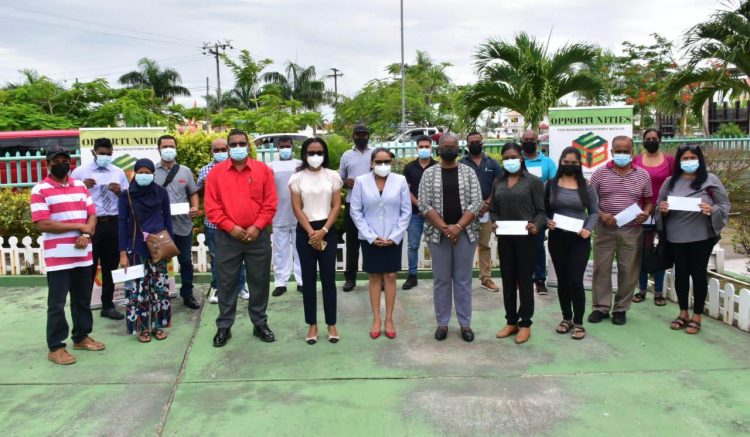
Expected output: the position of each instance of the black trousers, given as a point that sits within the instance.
(352, 246)
(570, 255)
(77, 281)
(517, 266)
(691, 261)
(311, 262)
(106, 247)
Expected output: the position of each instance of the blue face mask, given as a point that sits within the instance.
(622, 159)
(221, 156)
(168, 154)
(690, 166)
(512, 165)
(285, 153)
(103, 160)
(424, 153)
(238, 153)
(143, 179)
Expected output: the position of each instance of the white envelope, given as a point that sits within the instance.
(180, 208)
(484, 218)
(134, 272)
(567, 223)
(677, 203)
(536, 171)
(70, 251)
(628, 215)
(511, 227)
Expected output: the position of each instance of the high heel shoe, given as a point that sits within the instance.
(312, 340)
(390, 334)
(333, 338)
(374, 334)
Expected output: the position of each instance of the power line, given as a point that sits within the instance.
(336, 74)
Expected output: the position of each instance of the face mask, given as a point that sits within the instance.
(221, 156)
(568, 169)
(382, 170)
(238, 153)
(512, 165)
(424, 153)
(59, 170)
(103, 160)
(651, 146)
(168, 154)
(622, 159)
(475, 148)
(361, 143)
(143, 179)
(285, 153)
(690, 166)
(529, 147)
(315, 161)
(449, 155)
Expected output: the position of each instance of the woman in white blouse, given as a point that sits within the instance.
(381, 209)
(316, 201)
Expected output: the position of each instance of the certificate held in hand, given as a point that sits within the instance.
(511, 227)
(567, 223)
(692, 204)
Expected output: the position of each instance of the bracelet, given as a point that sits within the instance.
(460, 227)
(325, 229)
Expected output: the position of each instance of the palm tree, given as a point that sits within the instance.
(299, 83)
(164, 81)
(431, 76)
(522, 76)
(246, 71)
(718, 59)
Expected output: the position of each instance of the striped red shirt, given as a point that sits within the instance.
(68, 203)
(616, 192)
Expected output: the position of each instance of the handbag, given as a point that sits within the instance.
(160, 245)
(657, 255)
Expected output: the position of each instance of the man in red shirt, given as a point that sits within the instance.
(241, 200)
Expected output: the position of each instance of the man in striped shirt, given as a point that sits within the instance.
(63, 210)
(619, 185)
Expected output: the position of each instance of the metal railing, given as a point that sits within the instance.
(22, 170)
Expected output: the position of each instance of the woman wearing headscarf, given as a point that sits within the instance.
(143, 210)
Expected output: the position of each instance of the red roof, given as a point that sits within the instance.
(39, 134)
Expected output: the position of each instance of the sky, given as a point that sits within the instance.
(87, 39)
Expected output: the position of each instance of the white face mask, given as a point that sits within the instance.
(382, 170)
(315, 161)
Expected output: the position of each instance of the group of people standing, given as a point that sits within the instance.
(454, 204)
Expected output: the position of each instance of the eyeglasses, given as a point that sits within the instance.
(219, 150)
(382, 161)
(240, 144)
(315, 153)
(691, 147)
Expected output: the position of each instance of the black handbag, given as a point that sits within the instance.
(657, 255)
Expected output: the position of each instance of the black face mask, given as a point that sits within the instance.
(449, 155)
(651, 146)
(475, 148)
(529, 147)
(568, 169)
(59, 170)
(361, 143)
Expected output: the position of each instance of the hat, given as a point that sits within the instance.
(361, 128)
(54, 151)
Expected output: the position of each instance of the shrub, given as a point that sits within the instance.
(337, 145)
(730, 130)
(15, 214)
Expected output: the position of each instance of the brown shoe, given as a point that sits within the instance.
(488, 284)
(61, 356)
(507, 331)
(89, 344)
(523, 335)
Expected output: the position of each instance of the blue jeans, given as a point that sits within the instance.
(540, 258)
(416, 226)
(211, 243)
(185, 245)
(658, 281)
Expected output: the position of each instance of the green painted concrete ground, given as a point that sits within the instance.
(640, 379)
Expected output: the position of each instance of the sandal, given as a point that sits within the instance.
(144, 337)
(579, 333)
(678, 323)
(660, 300)
(693, 327)
(159, 334)
(639, 297)
(564, 327)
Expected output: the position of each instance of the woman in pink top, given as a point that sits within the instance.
(659, 166)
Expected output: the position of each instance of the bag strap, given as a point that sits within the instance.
(171, 175)
(135, 220)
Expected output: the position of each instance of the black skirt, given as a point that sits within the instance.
(376, 259)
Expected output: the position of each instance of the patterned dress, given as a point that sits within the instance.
(148, 306)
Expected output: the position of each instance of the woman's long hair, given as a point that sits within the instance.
(303, 152)
(583, 193)
(701, 175)
(514, 146)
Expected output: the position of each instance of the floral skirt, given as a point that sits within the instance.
(148, 304)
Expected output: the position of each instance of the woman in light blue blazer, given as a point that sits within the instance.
(381, 210)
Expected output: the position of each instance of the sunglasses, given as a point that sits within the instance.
(315, 153)
(691, 147)
(240, 144)
(382, 161)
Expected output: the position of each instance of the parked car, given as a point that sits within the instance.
(411, 134)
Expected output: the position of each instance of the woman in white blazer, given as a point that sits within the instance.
(381, 209)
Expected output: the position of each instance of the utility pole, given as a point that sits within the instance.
(403, 74)
(215, 49)
(336, 74)
(208, 110)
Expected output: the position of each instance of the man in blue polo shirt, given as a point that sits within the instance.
(545, 168)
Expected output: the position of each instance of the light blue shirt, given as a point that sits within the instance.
(354, 163)
(104, 199)
(383, 215)
(549, 169)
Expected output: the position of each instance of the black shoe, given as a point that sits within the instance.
(541, 287)
(222, 336)
(112, 313)
(411, 282)
(263, 332)
(441, 333)
(349, 285)
(299, 288)
(597, 316)
(618, 318)
(279, 291)
(191, 303)
(467, 334)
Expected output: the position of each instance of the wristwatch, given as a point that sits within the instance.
(86, 234)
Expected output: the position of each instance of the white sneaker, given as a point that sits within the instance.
(212, 298)
(244, 294)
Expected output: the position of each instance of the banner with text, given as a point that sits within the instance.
(130, 144)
